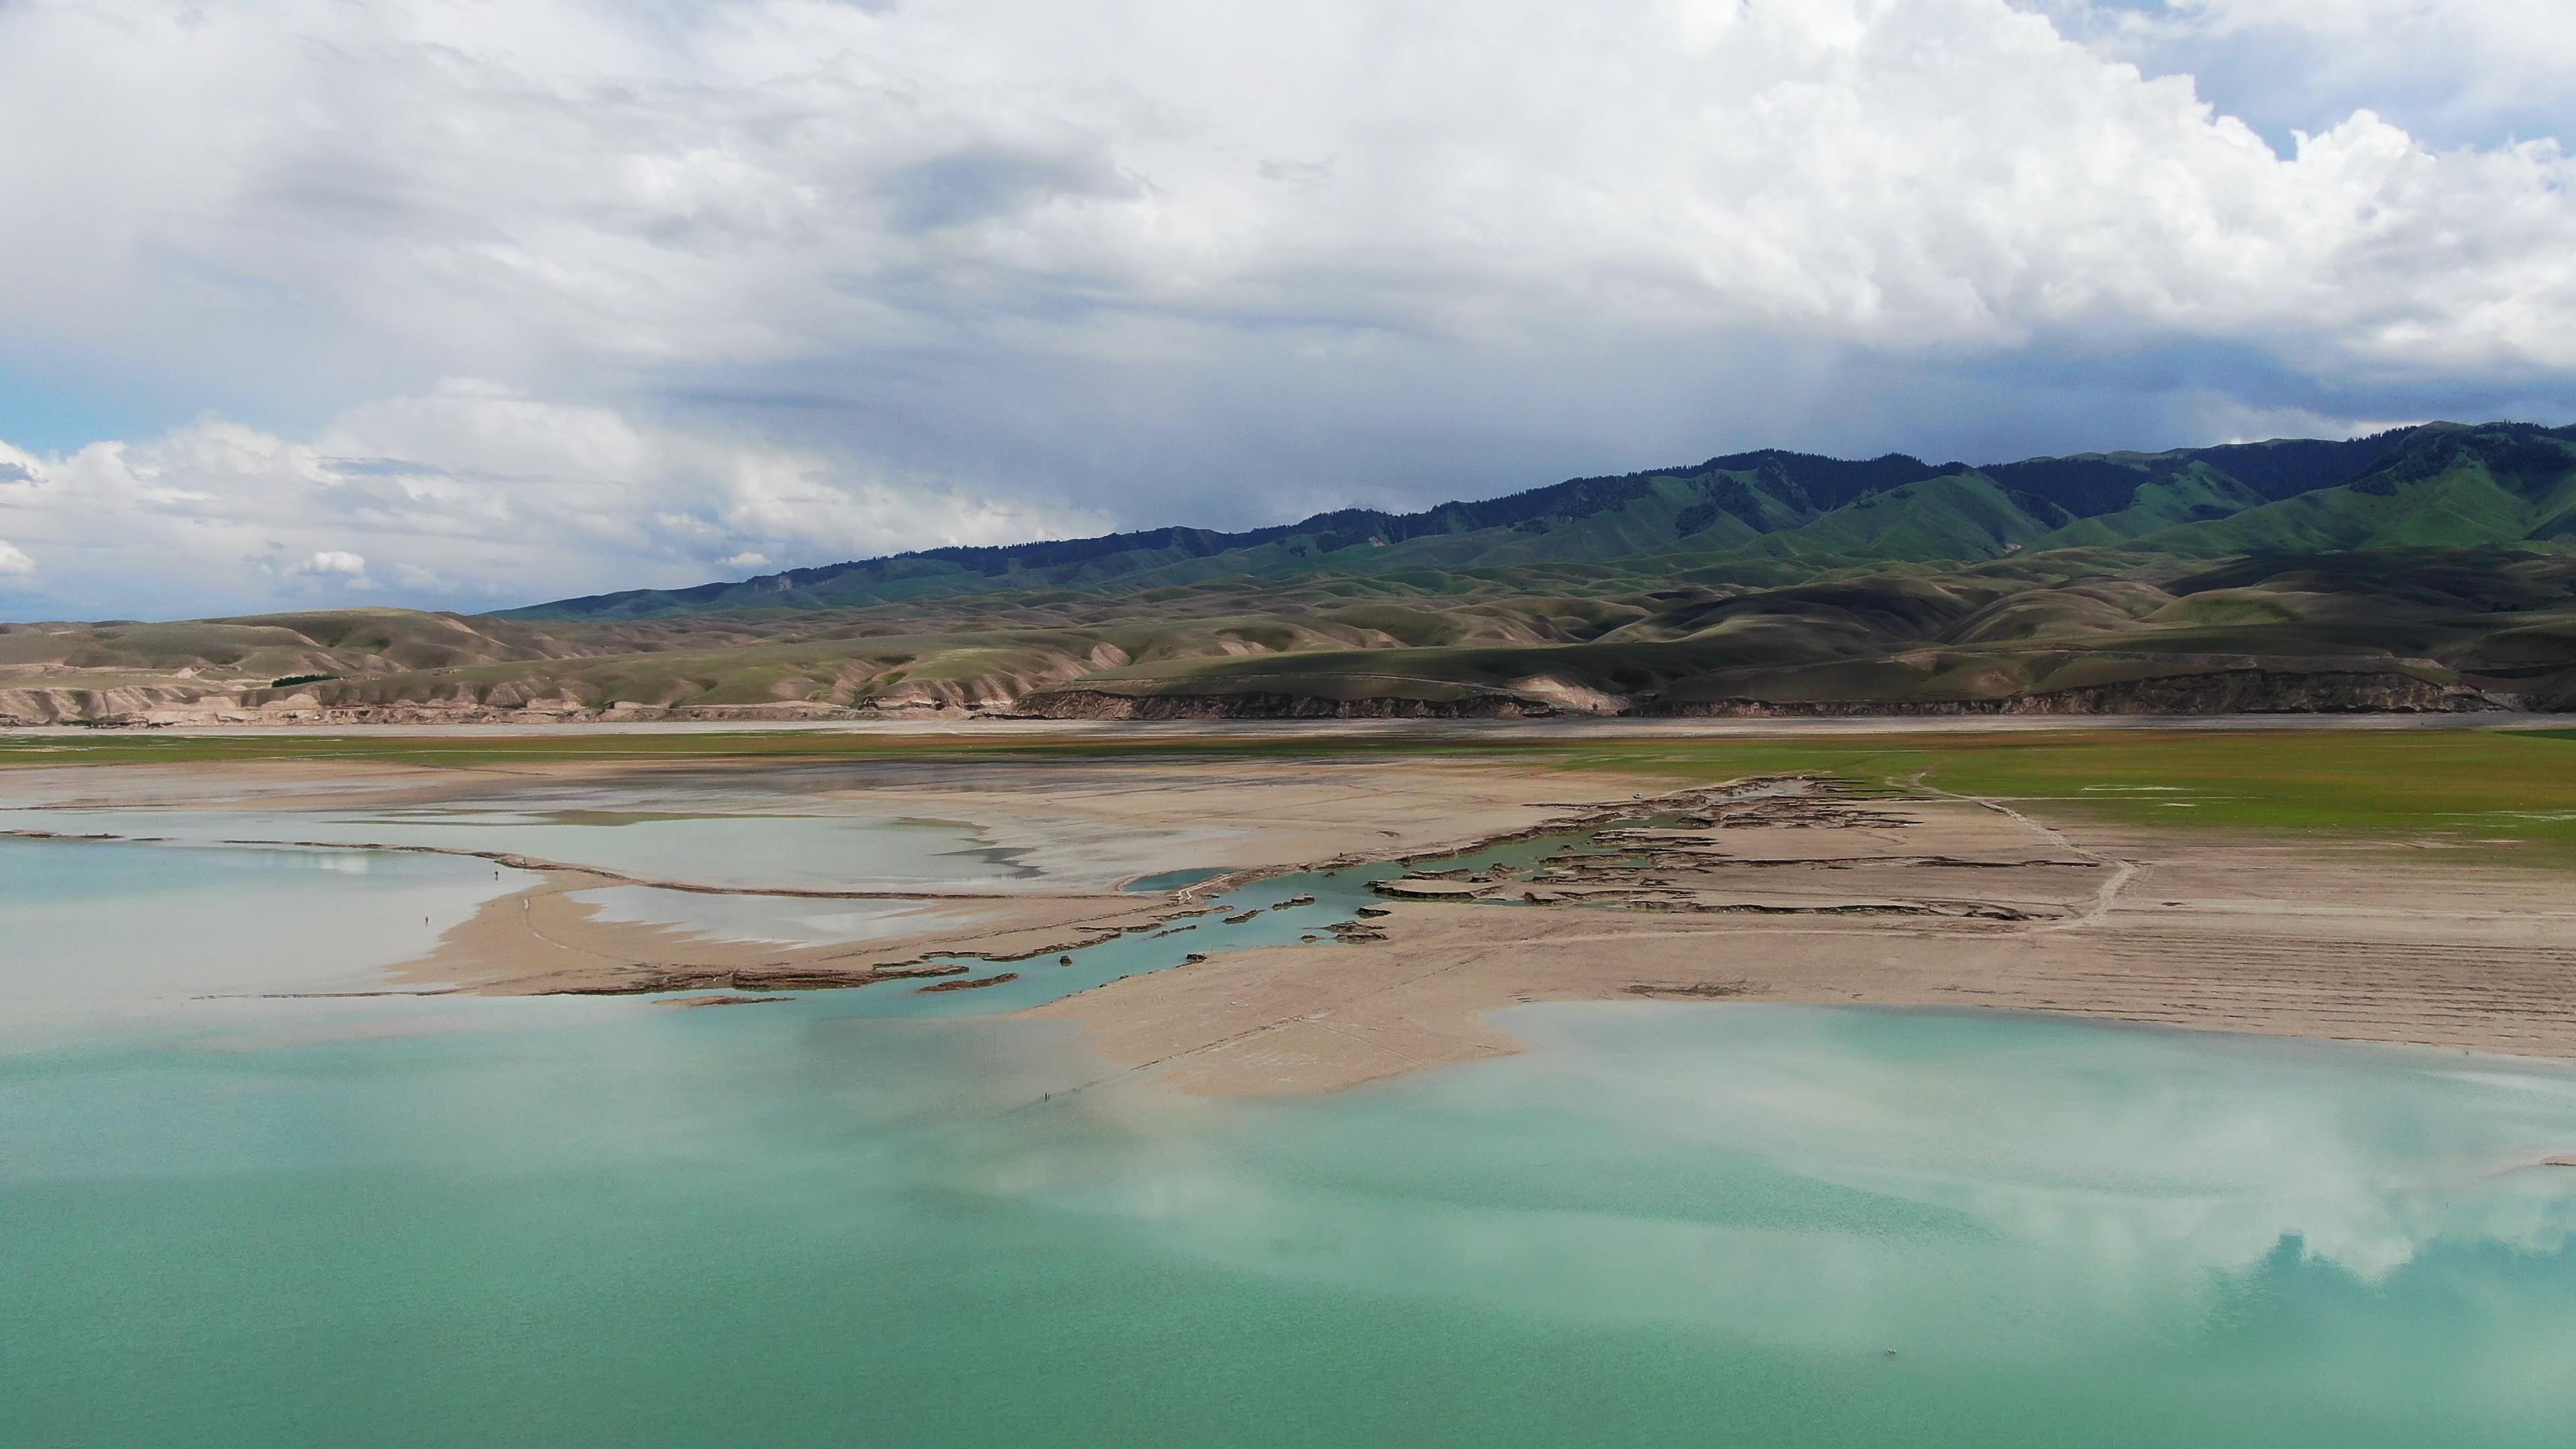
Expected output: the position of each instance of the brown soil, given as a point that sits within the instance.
(977, 984)
(1820, 898)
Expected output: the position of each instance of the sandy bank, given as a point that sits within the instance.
(1796, 895)
(1085, 826)
(1912, 902)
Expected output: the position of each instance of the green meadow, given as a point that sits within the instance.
(2464, 786)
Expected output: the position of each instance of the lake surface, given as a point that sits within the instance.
(807, 828)
(815, 852)
(828, 1220)
(106, 932)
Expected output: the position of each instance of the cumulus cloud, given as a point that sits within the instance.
(1154, 260)
(14, 563)
(469, 496)
(351, 568)
(2454, 71)
(594, 183)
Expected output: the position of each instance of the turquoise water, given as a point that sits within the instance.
(797, 827)
(100, 929)
(817, 852)
(820, 1221)
(1292, 910)
(1172, 880)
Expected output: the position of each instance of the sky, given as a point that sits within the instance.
(475, 303)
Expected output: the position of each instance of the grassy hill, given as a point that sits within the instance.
(2430, 567)
(1772, 516)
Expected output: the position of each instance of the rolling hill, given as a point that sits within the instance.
(2431, 567)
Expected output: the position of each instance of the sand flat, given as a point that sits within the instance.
(2211, 930)
(1790, 891)
(1084, 827)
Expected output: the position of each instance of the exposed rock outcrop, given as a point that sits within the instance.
(977, 984)
(131, 704)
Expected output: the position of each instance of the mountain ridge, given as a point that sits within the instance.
(2424, 568)
(1736, 507)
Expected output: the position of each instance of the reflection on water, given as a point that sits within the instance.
(584, 1222)
(2001, 1185)
(784, 828)
(622, 1224)
(91, 928)
(818, 852)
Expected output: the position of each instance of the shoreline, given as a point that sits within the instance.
(1820, 894)
(2333, 956)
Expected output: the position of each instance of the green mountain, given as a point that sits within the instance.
(2425, 568)
(1773, 516)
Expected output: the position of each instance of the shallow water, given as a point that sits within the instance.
(818, 852)
(790, 828)
(107, 929)
(1172, 880)
(811, 1221)
(596, 1223)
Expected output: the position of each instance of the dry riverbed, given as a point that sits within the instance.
(1793, 889)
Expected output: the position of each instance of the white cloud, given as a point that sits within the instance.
(466, 497)
(561, 185)
(1138, 257)
(2454, 72)
(2484, 51)
(351, 567)
(14, 563)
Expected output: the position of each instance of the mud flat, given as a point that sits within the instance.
(1600, 883)
(1806, 1224)
(1070, 835)
(1805, 892)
